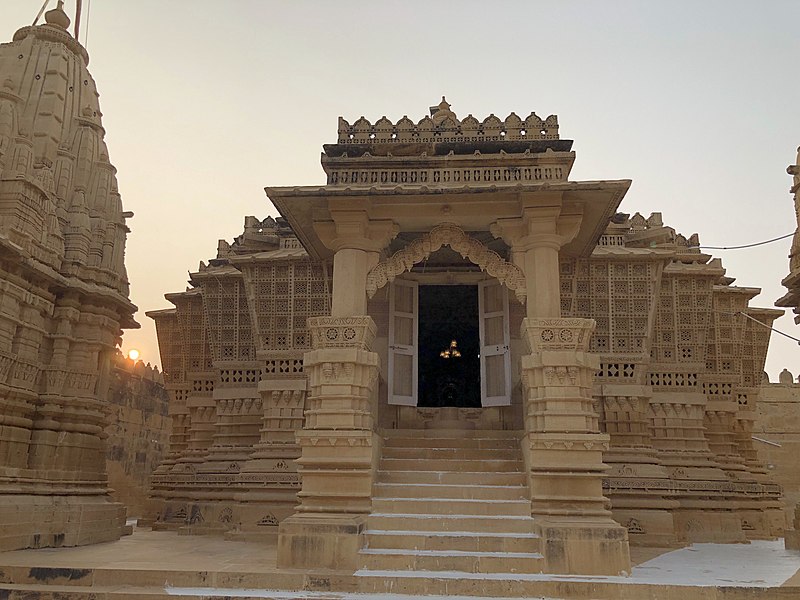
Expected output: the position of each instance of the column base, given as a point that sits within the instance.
(320, 542)
(584, 548)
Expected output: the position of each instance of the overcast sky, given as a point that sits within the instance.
(206, 102)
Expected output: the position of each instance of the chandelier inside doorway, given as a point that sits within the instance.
(451, 351)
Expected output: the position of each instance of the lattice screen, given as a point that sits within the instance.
(192, 322)
(755, 340)
(684, 307)
(617, 294)
(725, 332)
(230, 331)
(170, 346)
(286, 293)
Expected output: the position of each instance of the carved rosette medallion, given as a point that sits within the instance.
(544, 335)
(342, 332)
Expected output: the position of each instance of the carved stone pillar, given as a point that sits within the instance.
(719, 422)
(565, 451)
(338, 447)
(272, 466)
(703, 490)
(179, 428)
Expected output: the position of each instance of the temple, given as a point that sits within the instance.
(63, 294)
(452, 357)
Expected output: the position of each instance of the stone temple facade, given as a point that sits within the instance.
(63, 293)
(451, 346)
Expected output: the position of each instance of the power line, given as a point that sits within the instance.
(783, 237)
(86, 35)
(744, 314)
(41, 11)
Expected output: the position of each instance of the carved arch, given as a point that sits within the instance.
(447, 234)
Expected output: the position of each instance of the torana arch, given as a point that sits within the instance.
(447, 234)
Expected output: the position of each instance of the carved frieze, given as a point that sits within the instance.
(342, 332)
(545, 335)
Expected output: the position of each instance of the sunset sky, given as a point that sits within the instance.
(207, 102)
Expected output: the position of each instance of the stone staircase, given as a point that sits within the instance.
(451, 500)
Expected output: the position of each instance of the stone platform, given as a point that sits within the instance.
(157, 565)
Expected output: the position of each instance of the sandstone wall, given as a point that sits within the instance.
(778, 422)
(138, 434)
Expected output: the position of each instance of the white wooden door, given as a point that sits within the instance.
(495, 344)
(403, 342)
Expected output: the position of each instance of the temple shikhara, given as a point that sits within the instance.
(451, 357)
(63, 294)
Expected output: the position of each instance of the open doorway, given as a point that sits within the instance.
(449, 346)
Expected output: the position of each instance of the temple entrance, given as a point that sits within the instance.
(449, 346)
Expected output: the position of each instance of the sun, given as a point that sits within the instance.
(133, 354)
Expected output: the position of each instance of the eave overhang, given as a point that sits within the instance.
(473, 207)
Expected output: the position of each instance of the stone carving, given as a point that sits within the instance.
(342, 332)
(453, 236)
(634, 526)
(558, 334)
(268, 520)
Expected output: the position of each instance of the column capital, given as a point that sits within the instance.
(538, 228)
(354, 229)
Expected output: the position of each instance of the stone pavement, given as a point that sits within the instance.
(155, 565)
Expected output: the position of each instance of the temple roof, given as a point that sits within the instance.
(474, 207)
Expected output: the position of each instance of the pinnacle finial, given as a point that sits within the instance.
(57, 17)
(443, 105)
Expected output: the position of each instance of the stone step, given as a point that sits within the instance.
(456, 442)
(435, 452)
(458, 584)
(436, 490)
(418, 476)
(453, 540)
(451, 560)
(452, 506)
(450, 522)
(430, 464)
(493, 434)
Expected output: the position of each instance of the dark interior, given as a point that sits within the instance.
(446, 313)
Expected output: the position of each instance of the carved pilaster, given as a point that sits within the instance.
(564, 450)
(338, 446)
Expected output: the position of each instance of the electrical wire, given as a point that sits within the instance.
(783, 237)
(41, 11)
(88, 14)
(762, 324)
(78, 10)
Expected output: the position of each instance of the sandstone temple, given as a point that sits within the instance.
(453, 350)
(63, 294)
